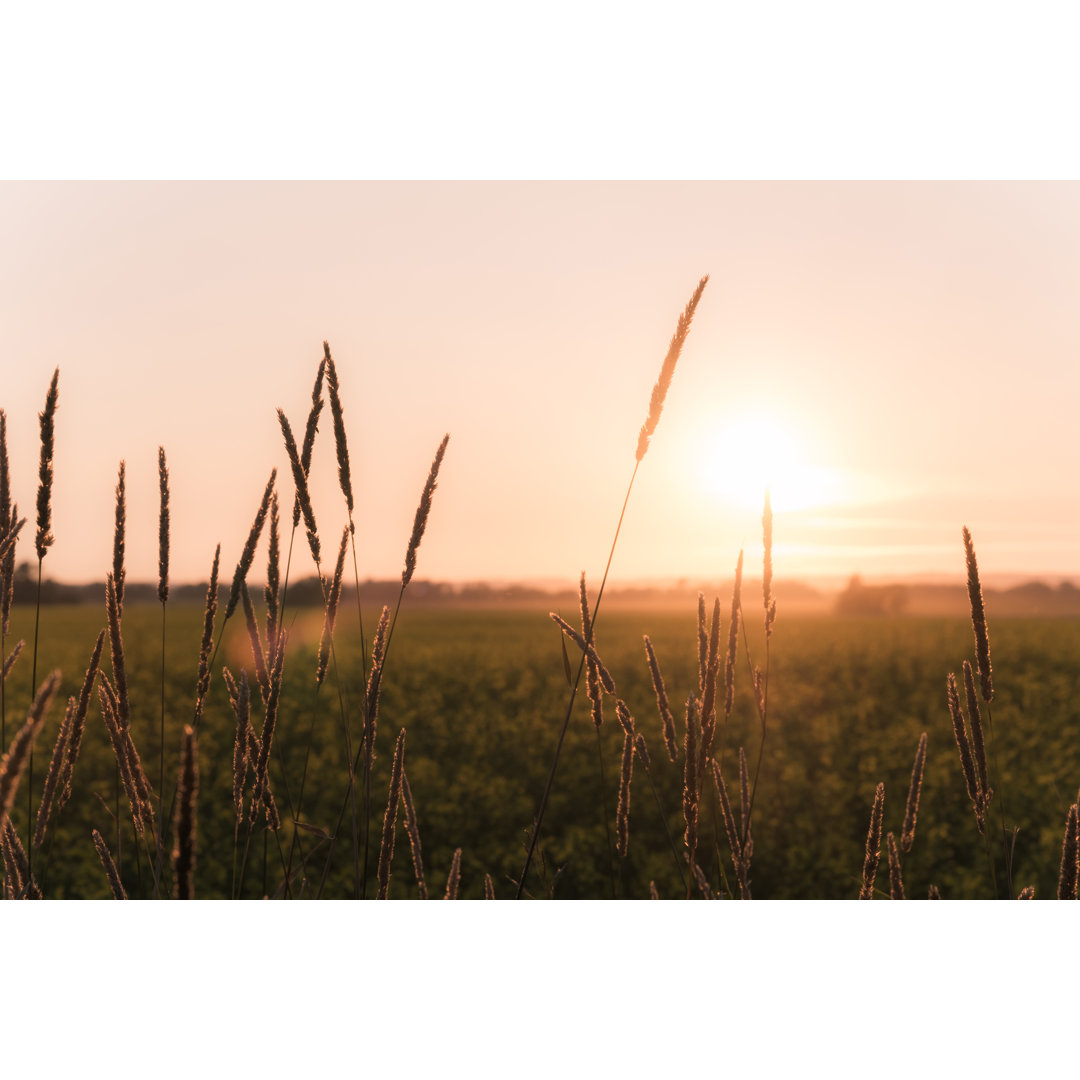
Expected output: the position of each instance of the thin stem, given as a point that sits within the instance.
(161, 767)
(573, 695)
(1007, 849)
(30, 764)
(667, 827)
(603, 811)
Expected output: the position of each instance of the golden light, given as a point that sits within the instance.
(744, 457)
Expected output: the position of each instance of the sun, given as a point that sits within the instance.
(743, 457)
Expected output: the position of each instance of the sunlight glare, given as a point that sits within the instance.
(754, 453)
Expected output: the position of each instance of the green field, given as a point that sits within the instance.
(482, 695)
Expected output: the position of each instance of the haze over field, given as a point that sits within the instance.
(896, 360)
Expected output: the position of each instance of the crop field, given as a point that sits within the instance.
(481, 694)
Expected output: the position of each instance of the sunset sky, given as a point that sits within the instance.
(895, 359)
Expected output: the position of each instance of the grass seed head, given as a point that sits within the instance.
(248, 554)
(911, 810)
(110, 867)
(1070, 867)
(978, 619)
(118, 540)
(873, 845)
(667, 369)
(45, 539)
(163, 527)
(666, 719)
(187, 792)
(422, 512)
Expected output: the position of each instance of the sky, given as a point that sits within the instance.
(895, 359)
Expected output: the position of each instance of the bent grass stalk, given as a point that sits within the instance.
(656, 406)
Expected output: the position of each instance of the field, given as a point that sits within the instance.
(258, 747)
(481, 694)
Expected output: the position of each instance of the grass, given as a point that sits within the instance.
(478, 693)
(830, 711)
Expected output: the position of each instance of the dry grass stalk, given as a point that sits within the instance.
(248, 554)
(116, 644)
(489, 888)
(310, 431)
(744, 805)
(386, 850)
(641, 750)
(273, 577)
(330, 618)
(374, 683)
(606, 681)
(5, 478)
(702, 643)
(896, 879)
(767, 570)
(729, 825)
(933, 893)
(110, 867)
(622, 813)
(52, 777)
(7, 568)
(1070, 866)
(10, 533)
(967, 765)
(978, 619)
(1027, 893)
(240, 700)
(422, 512)
(13, 879)
(14, 761)
(24, 886)
(702, 882)
(110, 714)
(708, 697)
(667, 369)
(873, 845)
(911, 810)
(45, 539)
(163, 526)
(78, 723)
(261, 787)
(203, 682)
(453, 881)
(414, 835)
(626, 719)
(336, 411)
(9, 663)
(666, 719)
(183, 854)
(690, 778)
(733, 640)
(978, 745)
(592, 676)
(262, 675)
(118, 572)
(303, 497)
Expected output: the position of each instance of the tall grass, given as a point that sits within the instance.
(173, 834)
